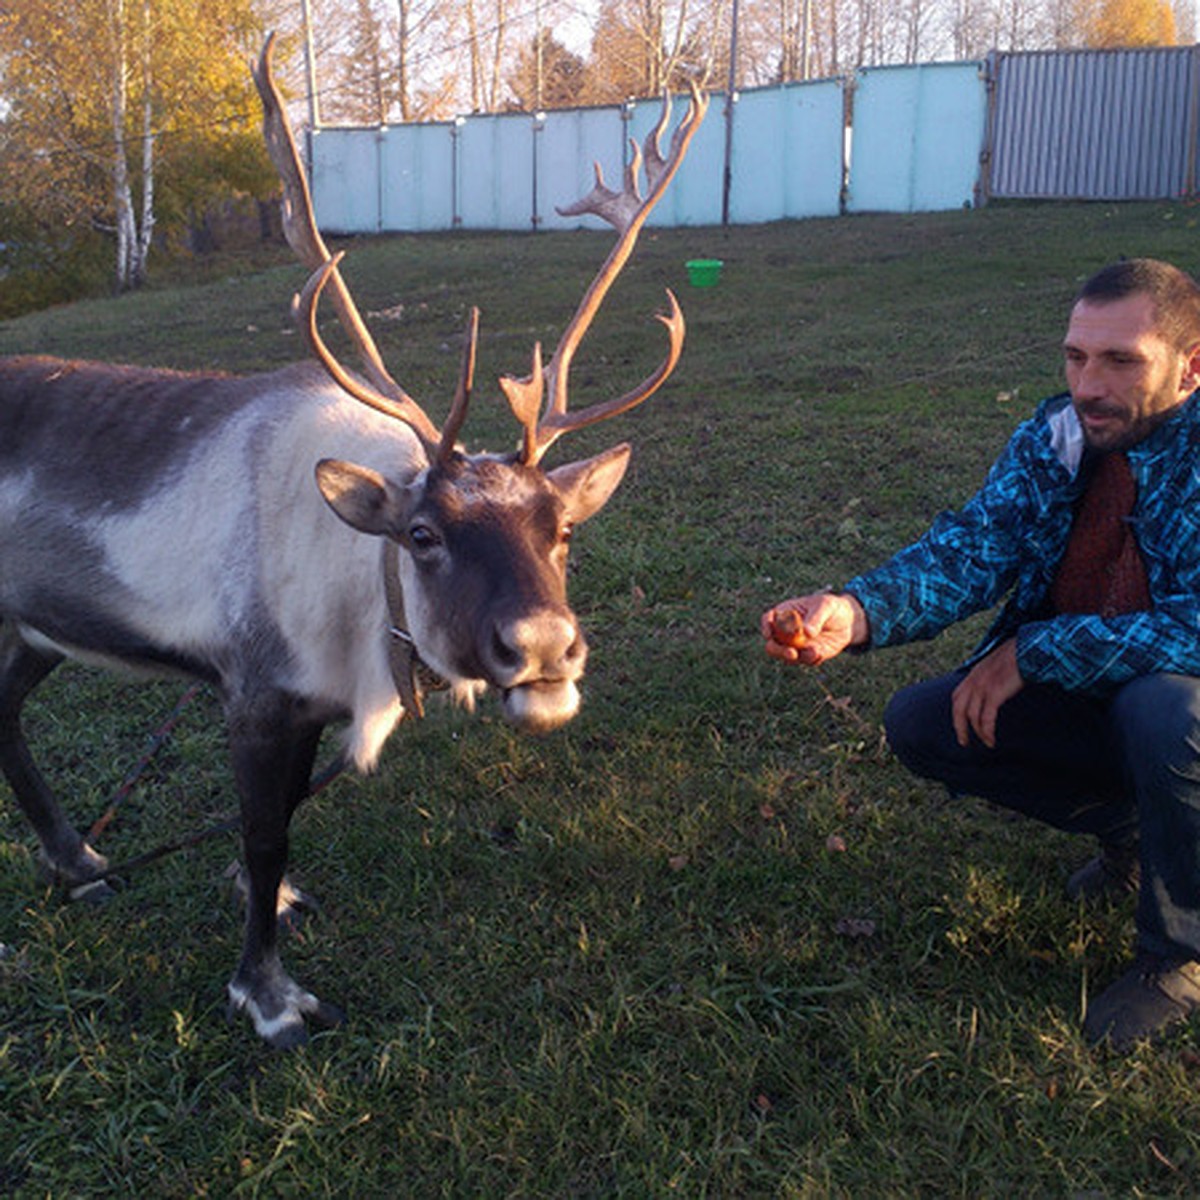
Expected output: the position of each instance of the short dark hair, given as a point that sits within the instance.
(1174, 294)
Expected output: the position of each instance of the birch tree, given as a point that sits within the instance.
(104, 96)
(487, 35)
(134, 230)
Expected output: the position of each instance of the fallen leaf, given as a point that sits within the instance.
(835, 843)
(677, 862)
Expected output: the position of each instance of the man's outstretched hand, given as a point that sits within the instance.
(831, 622)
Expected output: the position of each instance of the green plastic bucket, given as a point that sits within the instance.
(704, 272)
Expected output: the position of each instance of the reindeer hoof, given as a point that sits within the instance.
(292, 1031)
(284, 1033)
(77, 873)
(327, 1016)
(278, 1007)
(288, 1037)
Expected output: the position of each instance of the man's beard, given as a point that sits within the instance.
(1119, 432)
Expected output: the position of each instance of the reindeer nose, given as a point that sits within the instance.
(544, 646)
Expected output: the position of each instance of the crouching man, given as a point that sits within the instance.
(1082, 706)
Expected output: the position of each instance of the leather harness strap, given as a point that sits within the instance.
(411, 676)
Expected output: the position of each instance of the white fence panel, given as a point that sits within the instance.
(788, 153)
(496, 173)
(345, 180)
(917, 136)
(418, 177)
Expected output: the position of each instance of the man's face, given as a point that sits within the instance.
(1125, 379)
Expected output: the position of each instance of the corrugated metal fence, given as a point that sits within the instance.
(1096, 125)
(1070, 124)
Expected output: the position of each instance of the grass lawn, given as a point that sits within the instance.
(709, 940)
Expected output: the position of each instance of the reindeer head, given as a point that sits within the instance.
(484, 538)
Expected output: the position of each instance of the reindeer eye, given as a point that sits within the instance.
(422, 537)
(566, 532)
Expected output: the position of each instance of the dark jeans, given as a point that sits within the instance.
(1124, 768)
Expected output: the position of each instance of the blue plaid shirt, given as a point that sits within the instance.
(1008, 539)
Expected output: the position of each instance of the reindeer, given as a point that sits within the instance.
(170, 523)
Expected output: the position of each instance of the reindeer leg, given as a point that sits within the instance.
(67, 856)
(272, 759)
(292, 904)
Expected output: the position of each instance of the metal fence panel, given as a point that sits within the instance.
(496, 164)
(1094, 125)
(916, 146)
(338, 157)
(916, 138)
(805, 179)
(417, 177)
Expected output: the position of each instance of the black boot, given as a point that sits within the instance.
(1113, 873)
(1154, 994)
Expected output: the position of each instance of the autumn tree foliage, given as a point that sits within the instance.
(117, 111)
(1110, 24)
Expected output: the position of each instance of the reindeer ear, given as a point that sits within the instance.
(585, 487)
(363, 498)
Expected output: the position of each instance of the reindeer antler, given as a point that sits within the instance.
(382, 392)
(626, 211)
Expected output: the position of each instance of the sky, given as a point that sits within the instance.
(575, 32)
